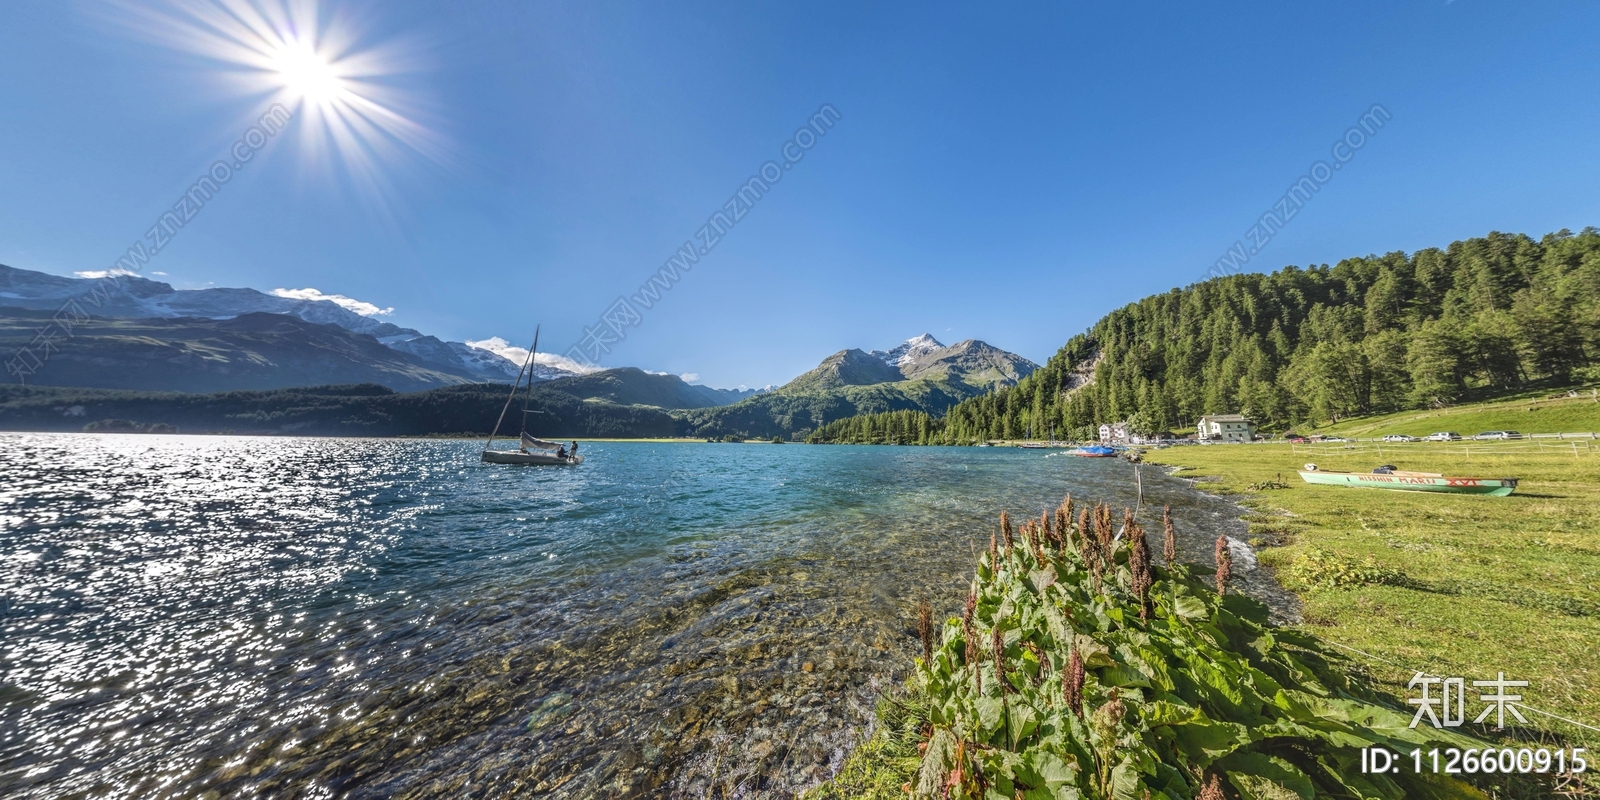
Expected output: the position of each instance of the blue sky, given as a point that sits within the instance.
(1008, 174)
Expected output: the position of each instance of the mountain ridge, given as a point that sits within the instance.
(920, 374)
(631, 386)
(133, 296)
(257, 350)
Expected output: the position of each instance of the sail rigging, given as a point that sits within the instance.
(527, 367)
(530, 449)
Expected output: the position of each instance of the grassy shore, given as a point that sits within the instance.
(1535, 412)
(1454, 585)
(1084, 667)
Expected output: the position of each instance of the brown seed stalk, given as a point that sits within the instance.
(1224, 565)
(1212, 790)
(1104, 530)
(1072, 683)
(1005, 530)
(1169, 540)
(1139, 566)
(1084, 541)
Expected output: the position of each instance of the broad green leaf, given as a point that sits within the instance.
(991, 715)
(1265, 777)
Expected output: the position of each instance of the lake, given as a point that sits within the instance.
(232, 616)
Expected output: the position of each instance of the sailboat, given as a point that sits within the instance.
(532, 450)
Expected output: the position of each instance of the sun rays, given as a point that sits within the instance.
(350, 114)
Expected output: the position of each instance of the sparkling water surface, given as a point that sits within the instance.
(189, 616)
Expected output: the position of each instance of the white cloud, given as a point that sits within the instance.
(517, 355)
(690, 377)
(158, 272)
(347, 303)
(104, 273)
(562, 362)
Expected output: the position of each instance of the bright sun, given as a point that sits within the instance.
(340, 85)
(307, 74)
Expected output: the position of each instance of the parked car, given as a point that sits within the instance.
(1334, 439)
(1297, 439)
(1399, 437)
(1444, 436)
(1498, 435)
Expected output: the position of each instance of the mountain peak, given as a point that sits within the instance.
(845, 368)
(908, 350)
(973, 362)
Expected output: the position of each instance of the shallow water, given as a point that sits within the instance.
(236, 617)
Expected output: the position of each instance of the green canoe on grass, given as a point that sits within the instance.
(1411, 481)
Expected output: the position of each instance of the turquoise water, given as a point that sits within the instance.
(391, 618)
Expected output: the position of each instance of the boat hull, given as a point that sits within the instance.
(1093, 451)
(534, 459)
(1495, 487)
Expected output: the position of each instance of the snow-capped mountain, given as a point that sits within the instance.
(908, 350)
(132, 296)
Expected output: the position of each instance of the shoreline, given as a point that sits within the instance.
(1447, 584)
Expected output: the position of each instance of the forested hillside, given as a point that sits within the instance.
(855, 382)
(1371, 334)
(348, 410)
(889, 427)
(631, 386)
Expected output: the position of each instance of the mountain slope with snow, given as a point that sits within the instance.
(919, 374)
(254, 351)
(908, 350)
(135, 297)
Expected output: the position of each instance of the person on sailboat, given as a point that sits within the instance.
(561, 452)
(574, 449)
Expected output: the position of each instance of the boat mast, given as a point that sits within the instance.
(532, 361)
(503, 409)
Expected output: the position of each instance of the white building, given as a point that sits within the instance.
(1226, 428)
(1114, 433)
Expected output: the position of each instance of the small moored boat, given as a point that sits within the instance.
(1405, 481)
(1093, 451)
(532, 450)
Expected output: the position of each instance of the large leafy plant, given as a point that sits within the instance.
(1082, 668)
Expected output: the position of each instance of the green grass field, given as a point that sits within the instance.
(1453, 585)
(1542, 412)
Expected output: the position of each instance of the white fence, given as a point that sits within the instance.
(1552, 444)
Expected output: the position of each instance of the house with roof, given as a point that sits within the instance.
(1226, 428)
(1114, 433)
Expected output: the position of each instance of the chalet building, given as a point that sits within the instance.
(1151, 438)
(1226, 428)
(1114, 433)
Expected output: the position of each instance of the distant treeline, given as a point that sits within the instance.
(351, 410)
(1369, 335)
(892, 427)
